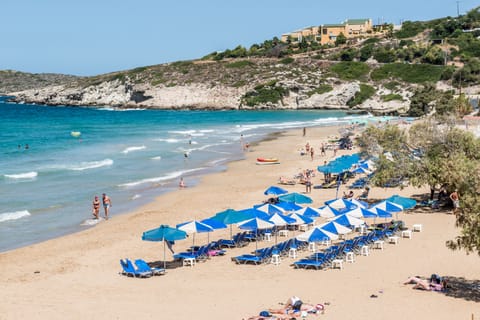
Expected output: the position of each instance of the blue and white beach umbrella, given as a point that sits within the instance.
(309, 212)
(381, 213)
(361, 170)
(348, 220)
(300, 219)
(316, 235)
(280, 219)
(340, 204)
(328, 212)
(358, 203)
(193, 227)
(269, 208)
(362, 213)
(256, 224)
(388, 206)
(335, 227)
(288, 206)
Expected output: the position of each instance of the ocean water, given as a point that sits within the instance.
(132, 155)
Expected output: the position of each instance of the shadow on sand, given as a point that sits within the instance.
(461, 288)
(169, 265)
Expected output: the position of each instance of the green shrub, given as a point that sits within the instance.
(350, 70)
(240, 64)
(371, 41)
(321, 89)
(410, 29)
(411, 73)
(392, 85)
(182, 63)
(239, 83)
(264, 93)
(365, 92)
(391, 97)
(287, 60)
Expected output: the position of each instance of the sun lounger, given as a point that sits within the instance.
(130, 271)
(142, 266)
(256, 259)
(200, 255)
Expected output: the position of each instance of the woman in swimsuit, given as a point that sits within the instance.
(96, 207)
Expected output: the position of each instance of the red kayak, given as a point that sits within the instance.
(267, 160)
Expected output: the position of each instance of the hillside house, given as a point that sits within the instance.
(328, 33)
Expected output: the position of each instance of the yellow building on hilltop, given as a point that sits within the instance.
(328, 33)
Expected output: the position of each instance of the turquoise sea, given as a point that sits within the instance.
(132, 155)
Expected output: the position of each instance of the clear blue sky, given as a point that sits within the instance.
(89, 37)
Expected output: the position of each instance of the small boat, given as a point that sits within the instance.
(267, 162)
(75, 134)
(267, 159)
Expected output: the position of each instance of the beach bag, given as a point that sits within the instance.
(264, 314)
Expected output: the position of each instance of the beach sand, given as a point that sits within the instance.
(76, 276)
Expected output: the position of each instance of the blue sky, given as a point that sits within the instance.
(89, 37)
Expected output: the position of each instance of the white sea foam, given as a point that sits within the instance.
(132, 149)
(166, 177)
(217, 161)
(167, 140)
(135, 196)
(156, 158)
(14, 215)
(92, 165)
(25, 175)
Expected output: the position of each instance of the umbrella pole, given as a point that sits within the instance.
(164, 257)
(256, 241)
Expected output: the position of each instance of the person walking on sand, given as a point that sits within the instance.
(181, 184)
(312, 153)
(304, 131)
(456, 201)
(96, 207)
(107, 203)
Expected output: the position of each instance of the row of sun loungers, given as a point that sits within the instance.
(264, 255)
(325, 259)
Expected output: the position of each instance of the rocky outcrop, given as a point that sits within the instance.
(200, 96)
(335, 99)
(116, 93)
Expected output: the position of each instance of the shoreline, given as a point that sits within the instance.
(75, 276)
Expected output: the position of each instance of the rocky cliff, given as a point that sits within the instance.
(217, 85)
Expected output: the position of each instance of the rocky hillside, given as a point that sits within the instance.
(255, 83)
(11, 81)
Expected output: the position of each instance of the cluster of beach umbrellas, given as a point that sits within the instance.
(342, 213)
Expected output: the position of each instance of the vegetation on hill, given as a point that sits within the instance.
(11, 81)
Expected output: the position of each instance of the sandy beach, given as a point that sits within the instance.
(77, 276)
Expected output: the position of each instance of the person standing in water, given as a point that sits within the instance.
(96, 207)
(107, 203)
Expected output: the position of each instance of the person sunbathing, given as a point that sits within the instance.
(424, 284)
(268, 316)
(295, 306)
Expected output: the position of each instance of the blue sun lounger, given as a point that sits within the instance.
(142, 266)
(255, 258)
(130, 271)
